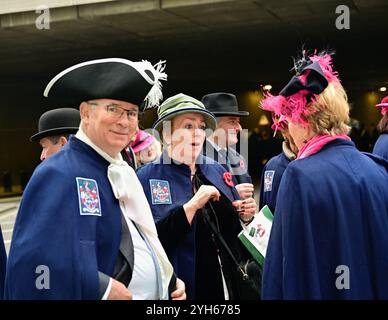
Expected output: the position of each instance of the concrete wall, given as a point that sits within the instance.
(14, 6)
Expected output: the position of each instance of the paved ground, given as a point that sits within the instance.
(8, 211)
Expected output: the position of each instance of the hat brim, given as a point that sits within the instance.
(233, 114)
(53, 132)
(380, 105)
(210, 121)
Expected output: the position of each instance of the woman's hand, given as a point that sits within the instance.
(245, 190)
(246, 208)
(198, 201)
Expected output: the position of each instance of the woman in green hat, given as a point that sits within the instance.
(192, 199)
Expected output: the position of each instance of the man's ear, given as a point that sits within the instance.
(84, 110)
(62, 141)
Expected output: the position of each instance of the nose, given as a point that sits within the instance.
(238, 127)
(43, 155)
(199, 132)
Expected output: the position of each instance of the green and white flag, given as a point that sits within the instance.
(255, 236)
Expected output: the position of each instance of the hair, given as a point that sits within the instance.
(331, 111)
(382, 126)
(55, 139)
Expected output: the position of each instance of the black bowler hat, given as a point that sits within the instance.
(112, 78)
(56, 122)
(223, 104)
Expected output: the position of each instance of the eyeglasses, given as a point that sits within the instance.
(117, 112)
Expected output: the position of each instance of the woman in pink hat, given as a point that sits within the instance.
(381, 146)
(145, 147)
(329, 235)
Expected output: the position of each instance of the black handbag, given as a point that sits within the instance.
(248, 271)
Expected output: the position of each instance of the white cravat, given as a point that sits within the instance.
(134, 205)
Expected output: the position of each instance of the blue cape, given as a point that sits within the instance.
(52, 231)
(381, 146)
(331, 212)
(270, 180)
(3, 262)
(176, 180)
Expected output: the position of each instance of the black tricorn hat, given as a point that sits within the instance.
(223, 104)
(112, 78)
(57, 122)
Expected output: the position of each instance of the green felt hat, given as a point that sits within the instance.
(180, 104)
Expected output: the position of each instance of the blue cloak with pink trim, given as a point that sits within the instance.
(329, 238)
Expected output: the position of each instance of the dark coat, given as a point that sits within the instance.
(190, 248)
(270, 180)
(381, 146)
(233, 162)
(331, 216)
(3, 263)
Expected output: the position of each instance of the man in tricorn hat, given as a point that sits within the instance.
(84, 228)
(54, 127)
(219, 145)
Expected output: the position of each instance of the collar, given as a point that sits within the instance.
(216, 146)
(166, 159)
(287, 151)
(81, 135)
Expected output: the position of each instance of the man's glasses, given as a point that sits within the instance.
(117, 112)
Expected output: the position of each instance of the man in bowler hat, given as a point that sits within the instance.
(219, 145)
(55, 127)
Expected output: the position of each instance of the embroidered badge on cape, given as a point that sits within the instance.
(268, 179)
(160, 192)
(88, 196)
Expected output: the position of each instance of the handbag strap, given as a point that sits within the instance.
(215, 229)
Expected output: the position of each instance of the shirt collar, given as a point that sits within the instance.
(216, 146)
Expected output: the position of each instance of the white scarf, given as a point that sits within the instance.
(134, 205)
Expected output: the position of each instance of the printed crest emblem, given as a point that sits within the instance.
(88, 196)
(160, 192)
(242, 163)
(268, 179)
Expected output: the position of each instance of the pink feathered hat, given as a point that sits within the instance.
(313, 74)
(383, 105)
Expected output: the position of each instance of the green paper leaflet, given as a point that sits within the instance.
(256, 234)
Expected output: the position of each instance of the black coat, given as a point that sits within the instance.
(233, 162)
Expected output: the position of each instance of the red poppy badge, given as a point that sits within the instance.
(228, 179)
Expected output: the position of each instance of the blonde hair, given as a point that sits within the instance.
(331, 111)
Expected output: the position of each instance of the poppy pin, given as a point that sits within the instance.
(228, 179)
